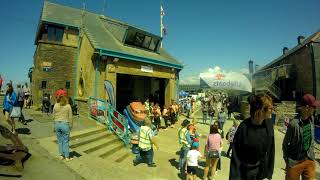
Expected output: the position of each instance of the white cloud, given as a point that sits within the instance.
(190, 80)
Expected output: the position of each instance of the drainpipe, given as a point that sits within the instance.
(314, 80)
(76, 66)
(96, 75)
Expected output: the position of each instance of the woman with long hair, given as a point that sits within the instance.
(253, 148)
(62, 114)
(212, 150)
(9, 101)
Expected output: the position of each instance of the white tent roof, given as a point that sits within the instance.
(225, 80)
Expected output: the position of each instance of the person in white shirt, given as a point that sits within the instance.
(192, 161)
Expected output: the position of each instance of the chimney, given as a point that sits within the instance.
(250, 66)
(285, 50)
(300, 39)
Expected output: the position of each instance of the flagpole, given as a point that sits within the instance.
(161, 23)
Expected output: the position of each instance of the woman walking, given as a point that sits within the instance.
(253, 148)
(213, 151)
(9, 101)
(230, 135)
(62, 114)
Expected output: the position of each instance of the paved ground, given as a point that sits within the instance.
(99, 155)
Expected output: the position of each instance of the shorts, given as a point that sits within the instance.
(192, 170)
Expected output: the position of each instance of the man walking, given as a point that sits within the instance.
(185, 142)
(298, 143)
(20, 94)
(146, 141)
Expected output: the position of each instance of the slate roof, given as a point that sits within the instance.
(313, 38)
(105, 34)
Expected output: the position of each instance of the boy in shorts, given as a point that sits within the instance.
(192, 161)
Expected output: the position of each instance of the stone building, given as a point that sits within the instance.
(294, 73)
(79, 50)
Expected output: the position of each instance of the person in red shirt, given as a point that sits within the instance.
(1, 81)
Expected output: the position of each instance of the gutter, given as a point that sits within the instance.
(96, 74)
(137, 58)
(76, 66)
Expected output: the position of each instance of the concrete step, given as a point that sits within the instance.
(100, 143)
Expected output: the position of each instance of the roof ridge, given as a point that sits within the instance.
(307, 40)
(101, 16)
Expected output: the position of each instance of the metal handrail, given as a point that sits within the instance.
(122, 134)
(269, 84)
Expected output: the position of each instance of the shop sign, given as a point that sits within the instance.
(148, 69)
(46, 66)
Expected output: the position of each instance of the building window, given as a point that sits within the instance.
(139, 39)
(55, 33)
(68, 85)
(43, 84)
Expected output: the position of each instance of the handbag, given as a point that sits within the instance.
(16, 112)
(213, 154)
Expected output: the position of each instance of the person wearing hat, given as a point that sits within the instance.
(185, 142)
(298, 143)
(192, 161)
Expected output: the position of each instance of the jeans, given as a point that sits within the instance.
(63, 136)
(221, 123)
(211, 119)
(204, 117)
(144, 156)
(183, 157)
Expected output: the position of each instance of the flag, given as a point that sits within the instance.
(163, 29)
(161, 12)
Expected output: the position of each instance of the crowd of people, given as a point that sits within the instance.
(251, 143)
(14, 102)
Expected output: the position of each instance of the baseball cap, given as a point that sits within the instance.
(310, 100)
(195, 144)
(60, 92)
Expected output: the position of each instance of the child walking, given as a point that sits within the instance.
(192, 161)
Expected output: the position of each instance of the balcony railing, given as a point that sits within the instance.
(278, 72)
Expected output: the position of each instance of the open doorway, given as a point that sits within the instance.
(132, 88)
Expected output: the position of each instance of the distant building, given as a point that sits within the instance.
(79, 50)
(193, 88)
(295, 72)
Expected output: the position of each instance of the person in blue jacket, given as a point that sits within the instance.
(9, 101)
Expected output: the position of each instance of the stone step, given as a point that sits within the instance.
(100, 143)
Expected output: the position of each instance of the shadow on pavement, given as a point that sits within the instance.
(74, 154)
(10, 175)
(28, 120)
(23, 131)
(174, 163)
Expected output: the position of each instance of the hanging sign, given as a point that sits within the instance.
(148, 69)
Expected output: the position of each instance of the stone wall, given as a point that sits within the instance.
(61, 59)
(284, 109)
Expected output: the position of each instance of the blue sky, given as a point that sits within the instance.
(201, 34)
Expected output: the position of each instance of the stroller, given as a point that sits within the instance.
(46, 104)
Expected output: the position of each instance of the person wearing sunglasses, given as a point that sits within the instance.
(253, 149)
(298, 143)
